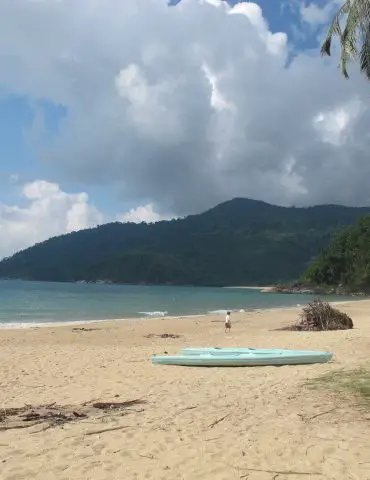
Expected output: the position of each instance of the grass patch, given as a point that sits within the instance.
(355, 382)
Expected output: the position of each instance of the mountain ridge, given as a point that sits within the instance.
(237, 242)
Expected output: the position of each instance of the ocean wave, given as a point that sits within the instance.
(154, 314)
(23, 325)
(224, 312)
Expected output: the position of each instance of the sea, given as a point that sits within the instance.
(24, 304)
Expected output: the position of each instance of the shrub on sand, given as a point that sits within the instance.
(319, 315)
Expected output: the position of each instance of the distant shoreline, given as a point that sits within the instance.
(263, 289)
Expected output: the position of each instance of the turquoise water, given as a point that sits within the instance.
(44, 302)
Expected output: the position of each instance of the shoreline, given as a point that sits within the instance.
(262, 289)
(67, 323)
(217, 313)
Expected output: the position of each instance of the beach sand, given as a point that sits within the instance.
(270, 424)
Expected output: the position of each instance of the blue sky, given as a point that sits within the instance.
(20, 119)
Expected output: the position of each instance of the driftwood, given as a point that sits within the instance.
(307, 418)
(279, 472)
(104, 430)
(117, 405)
(83, 329)
(53, 415)
(320, 316)
(216, 422)
(267, 470)
(162, 335)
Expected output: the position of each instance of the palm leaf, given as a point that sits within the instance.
(355, 36)
(365, 55)
(335, 29)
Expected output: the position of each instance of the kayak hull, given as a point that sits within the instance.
(243, 359)
(243, 350)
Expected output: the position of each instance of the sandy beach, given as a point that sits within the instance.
(194, 423)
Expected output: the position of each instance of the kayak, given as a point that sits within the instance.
(245, 350)
(235, 359)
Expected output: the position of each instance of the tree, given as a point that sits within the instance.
(351, 25)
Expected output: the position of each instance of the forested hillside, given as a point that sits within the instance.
(239, 242)
(346, 261)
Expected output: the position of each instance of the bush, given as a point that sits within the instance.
(319, 315)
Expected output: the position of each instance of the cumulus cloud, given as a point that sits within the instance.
(143, 213)
(46, 211)
(319, 14)
(183, 107)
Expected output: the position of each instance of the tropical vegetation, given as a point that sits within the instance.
(239, 242)
(351, 25)
(345, 262)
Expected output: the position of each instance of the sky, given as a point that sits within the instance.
(145, 110)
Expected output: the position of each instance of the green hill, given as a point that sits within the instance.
(346, 261)
(239, 242)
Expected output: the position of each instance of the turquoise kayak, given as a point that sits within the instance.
(253, 358)
(228, 350)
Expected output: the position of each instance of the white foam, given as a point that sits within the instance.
(154, 314)
(224, 312)
(24, 325)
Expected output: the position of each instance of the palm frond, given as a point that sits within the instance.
(335, 28)
(354, 38)
(365, 54)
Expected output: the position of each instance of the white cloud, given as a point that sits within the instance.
(275, 42)
(147, 108)
(143, 213)
(218, 102)
(335, 126)
(169, 113)
(317, 14)
(46, 211)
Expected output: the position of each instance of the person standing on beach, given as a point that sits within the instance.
(228, 322)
